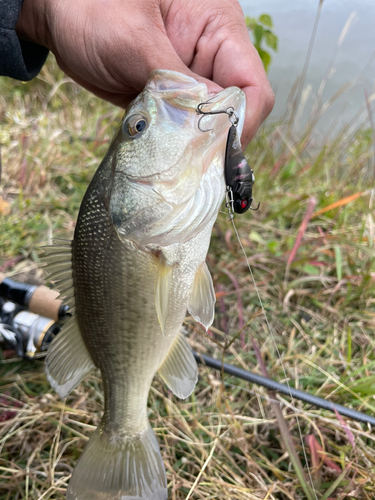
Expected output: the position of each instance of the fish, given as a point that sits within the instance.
(136, 264)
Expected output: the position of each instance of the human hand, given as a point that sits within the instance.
(111, 46)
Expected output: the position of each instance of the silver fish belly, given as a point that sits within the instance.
(136, 263)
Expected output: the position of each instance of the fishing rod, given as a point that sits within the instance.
(271, 384)
(26, 331)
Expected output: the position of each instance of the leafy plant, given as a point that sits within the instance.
(262, 34)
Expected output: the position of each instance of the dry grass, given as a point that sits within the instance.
(224, 441)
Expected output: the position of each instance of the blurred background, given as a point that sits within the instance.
(310, 246)
(343, 54)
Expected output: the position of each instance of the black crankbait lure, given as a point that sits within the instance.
(239, 177)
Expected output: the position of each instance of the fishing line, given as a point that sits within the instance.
(239, 181)
(275, 345)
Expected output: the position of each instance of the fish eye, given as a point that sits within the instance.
(135, 125)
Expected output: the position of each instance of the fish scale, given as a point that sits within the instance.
(136, 264)
(124, 277)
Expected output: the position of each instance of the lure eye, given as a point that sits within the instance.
(135, 126)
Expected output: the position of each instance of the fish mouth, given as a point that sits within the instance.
(176, 98)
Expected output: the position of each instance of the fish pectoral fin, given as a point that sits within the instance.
(58, 258)
(179, 369)
(68, 361)
(202, 298)
(117, 467)
(162, 289)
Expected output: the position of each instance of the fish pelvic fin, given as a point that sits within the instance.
(58, 258)
(202, 297)
(162, 289)
(68, 361)
(116, 468)
(179, 370)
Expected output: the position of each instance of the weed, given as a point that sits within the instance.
(224, 441)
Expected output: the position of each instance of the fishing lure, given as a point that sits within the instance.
(239, 177)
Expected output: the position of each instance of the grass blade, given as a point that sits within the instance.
(334, 485)
(338, 258)
(285, 434)
(339, 203)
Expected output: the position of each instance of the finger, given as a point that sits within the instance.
(119, 98)
(117, 90)
(245, 70)
(226, 48)
(185, 24)
(134, 62)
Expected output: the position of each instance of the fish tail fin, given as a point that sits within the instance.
(117, 468)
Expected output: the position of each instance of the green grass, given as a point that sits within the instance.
(321, 308)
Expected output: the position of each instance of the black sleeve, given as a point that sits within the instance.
(18, 59)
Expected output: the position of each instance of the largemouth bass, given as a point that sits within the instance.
(136, 264)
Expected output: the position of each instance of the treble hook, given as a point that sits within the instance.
(229, 203)
(233, 116)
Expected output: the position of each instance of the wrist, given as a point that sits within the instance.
(32, 23)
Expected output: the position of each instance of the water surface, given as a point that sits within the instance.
(355, 61)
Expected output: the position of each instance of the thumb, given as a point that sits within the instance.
(162, 55)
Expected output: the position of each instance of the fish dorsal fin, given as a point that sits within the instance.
(179, 369)
(202, 297)
(162, 289)
(68, 361)
(59, 267)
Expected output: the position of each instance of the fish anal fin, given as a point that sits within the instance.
(68, 361)
(118, 468)
(202, 297)
(179, 370)
(162, 289)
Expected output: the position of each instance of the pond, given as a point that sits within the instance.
(355, 60)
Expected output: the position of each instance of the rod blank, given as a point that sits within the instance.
(283, 389)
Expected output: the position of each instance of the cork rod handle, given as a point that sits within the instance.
(43, 301)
